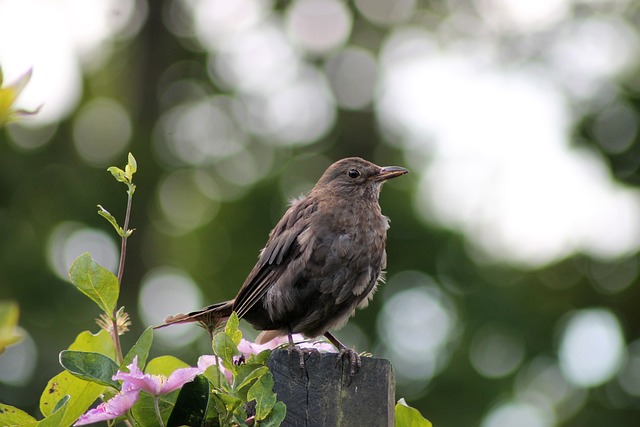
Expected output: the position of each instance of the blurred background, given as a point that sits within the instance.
(513, 291)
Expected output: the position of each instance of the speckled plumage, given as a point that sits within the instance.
(323, 259)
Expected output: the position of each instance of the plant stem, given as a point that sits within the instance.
(157, 408)
(115, 336)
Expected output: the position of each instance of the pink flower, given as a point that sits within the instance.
(247, 347)
(134, 381)
(156, 384)
(112, 408)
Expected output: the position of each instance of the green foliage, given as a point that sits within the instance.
(262, 392)
(251, 382)
(96, 282)
(82, 394)
(99, 343)
(90, 366)
(9, 313)
(140, 349)
(407, 416)
(58, 417)
(191, 405)
(92, 361)
(10, 416)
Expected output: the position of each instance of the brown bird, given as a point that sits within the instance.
(323, 260)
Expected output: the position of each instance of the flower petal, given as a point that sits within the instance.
(112, 408)
(178, 378)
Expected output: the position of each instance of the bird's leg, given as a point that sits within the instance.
(354, 358)
(301, 351)
(292, 347)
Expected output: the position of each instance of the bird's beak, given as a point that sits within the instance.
(389, 172)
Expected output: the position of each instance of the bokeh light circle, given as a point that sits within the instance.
(69, 240)
(591, 347)
(167, 291)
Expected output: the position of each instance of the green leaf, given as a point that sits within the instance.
(82, 394)
(232, 329)
(57, 417)
(10, 416)
(246, 375)
(226, 403)
(98, 343)
(262, 392)
(217, 378)
(90, 366)
(131, 167)
(140, 349)
(106, 215)
(191, 406)
(144, 411)
(225, 349)
(260, 358)
(132, 163)
(96, 282)
(407, 416)
(118, 174)
(164, 365)
(276, 416)
(9, 313)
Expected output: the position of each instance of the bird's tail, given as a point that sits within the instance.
(210, 317)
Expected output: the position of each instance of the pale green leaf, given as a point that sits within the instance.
(83, 394)
(96, 282)
(11, 416)
(9, 313)
(100, 342)
(232, 328)
(144, 412)
(225, 349)
(132, 163)
(140, 349)
(407, 416)
(164, 365)
(106, 215)
(245, 376)
(58, 416)
(262, 392)
(118, 174)
(276, 416)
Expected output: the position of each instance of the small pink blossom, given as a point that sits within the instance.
(157, 384)
(247, 347)
(112, 408)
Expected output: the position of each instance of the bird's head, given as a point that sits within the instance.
(353, 177)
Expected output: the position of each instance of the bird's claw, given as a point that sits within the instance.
(301, 354)
(355, 363)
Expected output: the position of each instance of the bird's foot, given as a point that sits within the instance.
(302, 353)
(292, 348)
(354, 360)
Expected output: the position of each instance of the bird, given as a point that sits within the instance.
(322, 261)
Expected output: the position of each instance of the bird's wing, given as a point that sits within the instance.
(282, 247)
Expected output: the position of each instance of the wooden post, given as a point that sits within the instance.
(323, 394)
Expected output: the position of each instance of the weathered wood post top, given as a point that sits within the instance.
(324, 395)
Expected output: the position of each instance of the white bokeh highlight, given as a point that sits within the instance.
(592, 347)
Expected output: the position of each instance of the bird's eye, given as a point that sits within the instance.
(353, 173)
